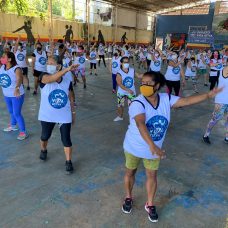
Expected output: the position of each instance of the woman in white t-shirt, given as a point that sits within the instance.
(114, 68)
(149, 119)
(190, 72)
(125, 79)
(216, 66)
(174, 74)
(56, 107)
(93, 60)
(221, 107)
(22, 61)
(11, 82)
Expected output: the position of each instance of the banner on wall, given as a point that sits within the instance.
(201, 37)
(175, 40)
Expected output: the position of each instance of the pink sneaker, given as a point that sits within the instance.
(22, 136)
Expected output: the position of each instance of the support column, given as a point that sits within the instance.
(50, 21)
(116, 22)
(136, 27)
(88, 20)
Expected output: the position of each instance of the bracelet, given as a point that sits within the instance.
(73, 112)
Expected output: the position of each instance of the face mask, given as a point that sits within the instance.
(19, 48)
(174, 57)
(204, 54)
(39, 48)
(147, 90)
(3, 61)
(126, 65)
(51, 69)
(156, 55)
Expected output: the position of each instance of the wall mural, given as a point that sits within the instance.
(124, 38)
(220, 24)
(100, 37)
(28, 29)
(69, 34)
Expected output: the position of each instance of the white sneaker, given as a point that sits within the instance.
(117, 119)
(10, 128)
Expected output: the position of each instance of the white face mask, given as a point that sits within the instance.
(156, 55)
(126, 65)
(174, 57)
(51, 69)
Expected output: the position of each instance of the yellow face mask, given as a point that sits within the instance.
(147, 90)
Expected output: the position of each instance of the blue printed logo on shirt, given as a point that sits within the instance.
(157, 63)
(5, 80)
(20, 57)
(157, 127)
(128, 82)
(219, 66)
(81, 60)
(93, 56)
(58, 99)
(176, 70)
(114, 64)
(42, 60)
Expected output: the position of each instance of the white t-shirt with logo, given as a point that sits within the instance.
(157, 122)
(93, 57)
(127, 80)
(55, 103)
(21, 58)
(215, 69)
(222, 97)
(155, 64)
(173, 73)
(8, 81)
(81, 60)
(191, 71)
(115, 64)
(41, 61)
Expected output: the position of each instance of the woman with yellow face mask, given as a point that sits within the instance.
(149, 119)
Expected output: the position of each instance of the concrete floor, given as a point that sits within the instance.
(192, 190)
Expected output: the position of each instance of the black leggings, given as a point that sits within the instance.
(101, 57)
(93, 65)
(213, 80)
(173, 85)
(65, 129)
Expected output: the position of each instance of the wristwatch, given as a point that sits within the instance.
(17, 87)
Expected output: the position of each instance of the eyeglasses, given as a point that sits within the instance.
(148, 84)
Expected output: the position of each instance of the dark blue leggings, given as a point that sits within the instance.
(114, 81)
(14, 106)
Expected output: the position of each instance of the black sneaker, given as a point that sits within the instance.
(206, 140)
(84, 86)
(34, 93)
(90, 73)
(69, 167)
(152, 214)
(127, 206)
(205, 84)
(95, 74)
(43, 155)
(226, 140)
(28, 88)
